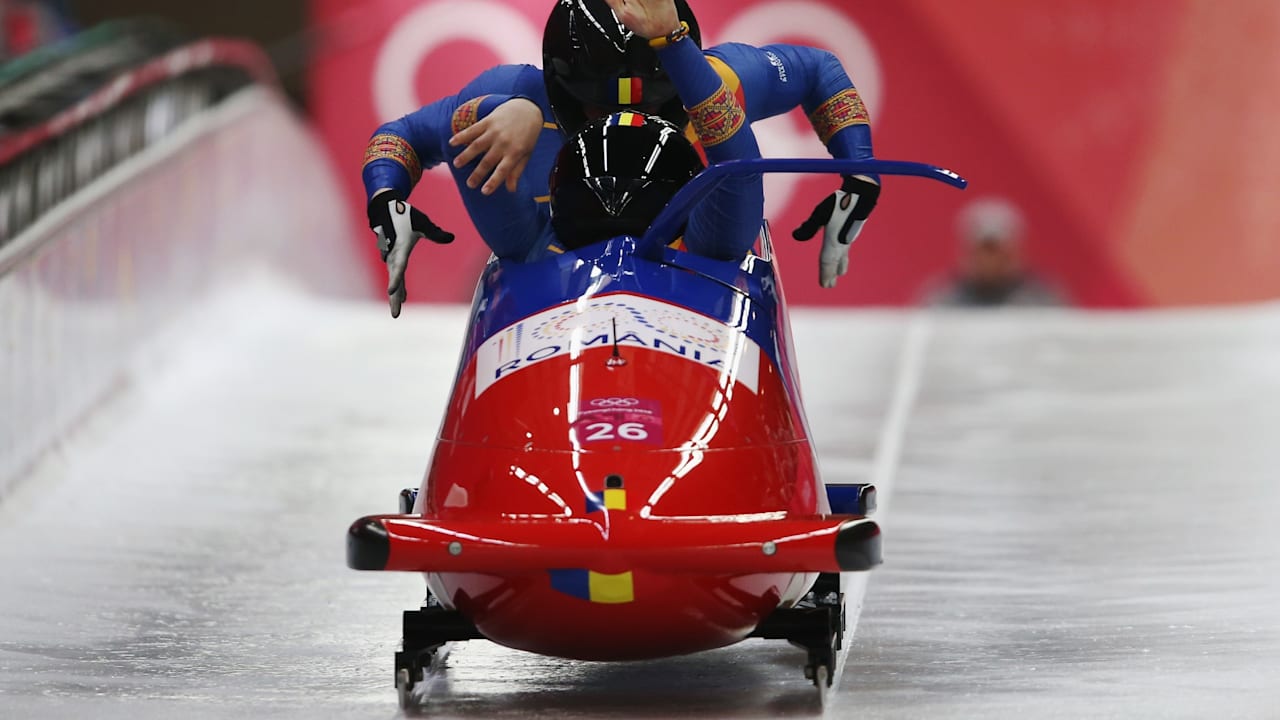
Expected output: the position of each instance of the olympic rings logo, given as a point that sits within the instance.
(614, 402)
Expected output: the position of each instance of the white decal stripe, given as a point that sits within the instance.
(642, 322)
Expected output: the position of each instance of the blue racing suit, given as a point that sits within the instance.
(765, 81)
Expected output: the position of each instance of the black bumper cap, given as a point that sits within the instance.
(858, 546)
(368, 546)
(868, 499)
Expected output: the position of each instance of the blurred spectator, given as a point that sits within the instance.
(27, 24)
(990, 270)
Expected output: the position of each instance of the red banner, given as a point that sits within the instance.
(1064, 109)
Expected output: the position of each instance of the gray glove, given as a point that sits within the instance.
(842, 214)
(399, 226)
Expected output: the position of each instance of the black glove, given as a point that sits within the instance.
(842, 214)
(379, 212)
(398, 226)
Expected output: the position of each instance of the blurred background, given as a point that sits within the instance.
(1127, 144)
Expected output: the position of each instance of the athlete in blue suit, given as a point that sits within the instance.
(615, 175)
(507, 125)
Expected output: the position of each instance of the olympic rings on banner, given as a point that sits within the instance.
(614, 402)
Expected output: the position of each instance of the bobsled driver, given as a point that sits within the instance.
(507, 126)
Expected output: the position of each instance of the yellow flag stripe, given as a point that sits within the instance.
(615, 499)
(726, 73)
(611, 589)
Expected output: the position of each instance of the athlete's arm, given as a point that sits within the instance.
(401, 149)
(727, 225)
(777, 78)
(511, 223)
(502, 142)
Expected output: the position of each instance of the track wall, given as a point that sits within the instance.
(92, 281)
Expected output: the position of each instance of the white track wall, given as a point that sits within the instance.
(84, 288)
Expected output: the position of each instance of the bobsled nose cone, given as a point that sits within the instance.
(858, 546)
(367, 545)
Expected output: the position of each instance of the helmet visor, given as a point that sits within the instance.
(601, 207)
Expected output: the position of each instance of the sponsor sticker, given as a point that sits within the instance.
(640, 322)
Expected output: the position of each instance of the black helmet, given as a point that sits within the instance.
(591, 59)
(616, 175)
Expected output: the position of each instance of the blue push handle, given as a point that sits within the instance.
(674, 216)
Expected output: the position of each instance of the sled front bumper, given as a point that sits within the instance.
(720, 545)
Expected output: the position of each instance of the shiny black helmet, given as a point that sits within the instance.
(593, 66)
(616, 175)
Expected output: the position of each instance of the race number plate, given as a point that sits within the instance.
(618, 419)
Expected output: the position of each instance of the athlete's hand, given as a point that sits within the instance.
(503, 141)
(399, 226)
(647, 18)
(842, 215)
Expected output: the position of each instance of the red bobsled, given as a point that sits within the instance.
(624, 469)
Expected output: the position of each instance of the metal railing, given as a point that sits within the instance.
(46, 163)
(36, 86)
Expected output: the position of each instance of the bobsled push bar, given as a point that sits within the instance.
(815, 543)
(673, 217)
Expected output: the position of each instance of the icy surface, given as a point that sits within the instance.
(1080, 519)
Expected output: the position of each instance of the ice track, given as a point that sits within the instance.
(1080, 517)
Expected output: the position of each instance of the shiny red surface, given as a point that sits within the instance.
(672, 614)
(726, 453)
(724, 449)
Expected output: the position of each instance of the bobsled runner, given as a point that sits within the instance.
(624, 469)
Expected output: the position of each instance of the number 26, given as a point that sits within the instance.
(608, 431)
